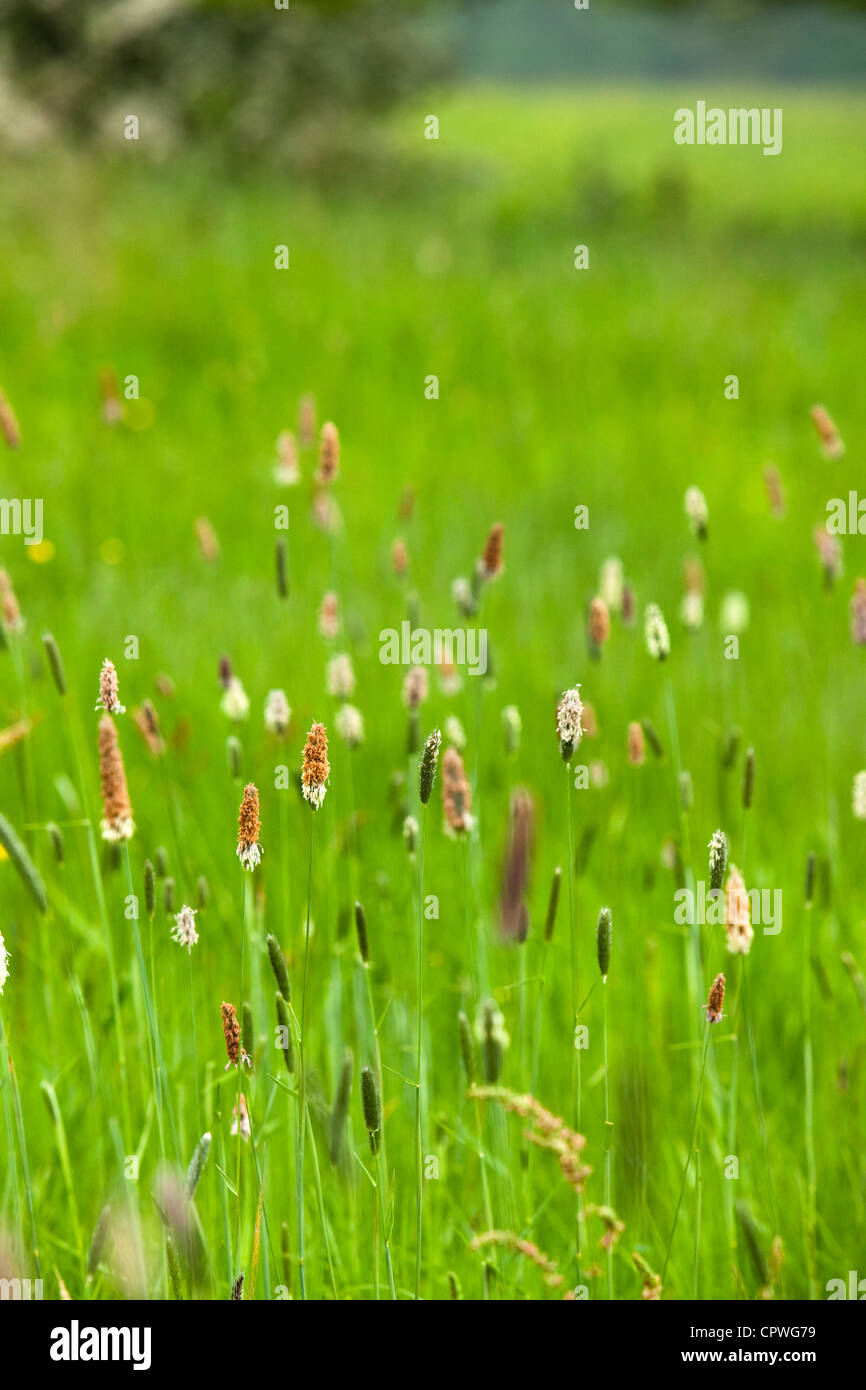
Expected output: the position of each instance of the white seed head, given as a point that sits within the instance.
(277, 712)
(692, 610)
(734, 613)
(611, 581)
(658, 642)
(183, 931)
(340, 677)
(235, 703)
(568, 725)
(858, 798)
(455, 733)
(4, 963)
(350, 725)
(697, 511)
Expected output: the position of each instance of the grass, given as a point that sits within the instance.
(556, 388)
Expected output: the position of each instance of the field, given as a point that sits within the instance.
(558, 388)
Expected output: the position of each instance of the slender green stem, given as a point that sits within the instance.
(689, 1152)
(302, 1088)
(419, 1173)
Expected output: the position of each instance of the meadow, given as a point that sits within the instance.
(558, 389)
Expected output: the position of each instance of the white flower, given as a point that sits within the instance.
(611, 582)
(108, 690)
(277, 712)
(287, 473)
(411, 831)
(568, 725)
(455, 732)
(415, 687)
(183, 931)
(235, 703)
(692, 610)
(4, 963)
(250, 854)
(315, 794)
(697, 511)
(461, 592)
(511, 728)
(858, 798)
(340, 677)
(734, 613)
(658, 641)
(350, 725)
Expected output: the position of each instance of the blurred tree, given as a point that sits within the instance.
(254, 79)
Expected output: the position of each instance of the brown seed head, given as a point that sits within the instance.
(636, 746)
(456, 793)
(208, 543)
(307, 420)
(831, 440)
(775, 490)
(716, 1000)
(599, 622)
(249, 851)
(329, 616)
(515, 873)
(108, 690)
(490, 565)
(329, 453)
(399, 556)
(147, 723)
(738, 913)
(316, 769)
(232, 1031)
(858, 614)
(117, 823)
(8, 424)
(9, 608)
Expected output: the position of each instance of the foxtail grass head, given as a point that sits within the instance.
(603, 934)
(117, 822)
(697, 512)
(372, 1106)
(738, 914)
(277, 713)
(569, 728)
(716, 999)
(491, 565)
(658, 642)
(249, 851)
(329, 454)
(183, 931)
(428, 764)
(456, 794)
(718, 858)
(598, 623)
(636, 745)
(108, 690)
(316, 769)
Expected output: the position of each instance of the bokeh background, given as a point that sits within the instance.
(409, 258)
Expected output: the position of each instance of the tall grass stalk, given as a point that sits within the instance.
(419, 1159)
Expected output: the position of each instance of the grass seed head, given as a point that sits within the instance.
(748, 778)
(490, 565)
(428, 764)
(552, 904)
(456, 794)
(340, 1108)
(361, 930)
(636, 746)
(718, 848)
(249, 851)
(183, 931)
(716, 1000)
(832, 444)
(149, 888)
(598, 622)
(55, 662)
(658, 642)
(279, 967)
(117, 822)
(316, 769)
(697, 512)
(232, 1033)
(329, 454)
(738, 914)
(603, 934)
(372, 1106)
(277, 713)
(569, 728)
